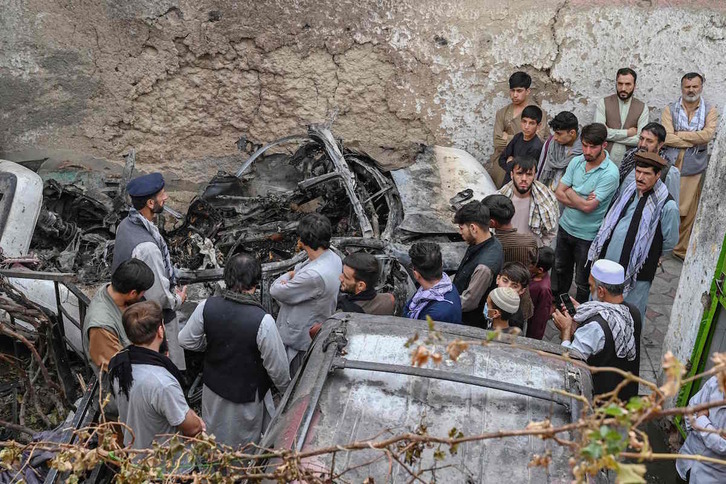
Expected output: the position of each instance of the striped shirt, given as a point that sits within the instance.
(517, 247)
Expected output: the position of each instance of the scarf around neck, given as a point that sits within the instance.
(425, 296)
(120, 366)
(136, 218)
(647, 216)
(619, 320)
(242, 298)
(544, 212)
(555, 158)
(680, 117)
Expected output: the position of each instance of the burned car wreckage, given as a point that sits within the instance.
(257, 210)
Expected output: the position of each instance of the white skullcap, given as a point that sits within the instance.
(506, 299)
(608, 272)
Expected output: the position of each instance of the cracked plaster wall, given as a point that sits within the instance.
(692, 297)
(181, 81)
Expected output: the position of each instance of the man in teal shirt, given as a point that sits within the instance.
(586, 189)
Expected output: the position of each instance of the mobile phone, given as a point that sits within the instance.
(567, 302)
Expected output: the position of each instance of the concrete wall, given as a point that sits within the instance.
(182, 80)
(692, 298)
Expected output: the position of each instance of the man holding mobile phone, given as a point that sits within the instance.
(606, 330)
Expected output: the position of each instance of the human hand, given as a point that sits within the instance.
(291, 274)
(510, 159)
(564, 323)
(182, 293)
(632, 132)
(591, 197)
(702, 413)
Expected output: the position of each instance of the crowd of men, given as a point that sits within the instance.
(600, 204)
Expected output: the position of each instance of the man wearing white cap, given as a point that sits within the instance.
(606, 330)
(501, 305)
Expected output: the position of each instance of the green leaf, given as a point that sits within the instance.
(635, 404)
(593, 451)
(630, 474)
(430, 323)
(613, 410)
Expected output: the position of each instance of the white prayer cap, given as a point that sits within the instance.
(608, 272)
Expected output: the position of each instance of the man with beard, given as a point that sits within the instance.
(605, 331)
(624, 115)
(147, 385)
(508, 121)
(585, 190)
(477, 272)
(652, 138)
(138, 237)
(103, 331)
(358, 287)
(639, 229)
(690, 123)
(559, 149)
(535, 207)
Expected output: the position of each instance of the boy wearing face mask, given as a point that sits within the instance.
(501, 305)
(516, 276)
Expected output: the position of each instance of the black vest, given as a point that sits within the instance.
(233, 366)
(607, 381)
(647, 271)
(490, 254)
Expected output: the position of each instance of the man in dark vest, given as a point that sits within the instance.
(243, 356)
(606, 330)
(624, 115)
(652, 139)
(138, 237)
(640, 228)
(477, 272)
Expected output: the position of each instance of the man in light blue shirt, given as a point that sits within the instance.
(586, 189)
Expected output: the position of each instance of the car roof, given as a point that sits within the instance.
(358, 383)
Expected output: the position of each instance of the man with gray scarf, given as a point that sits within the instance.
(605, 330)
(559, 149)
(690, 123)
(138, 237)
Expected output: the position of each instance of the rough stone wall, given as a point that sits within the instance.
(692, 298)
(182, 80)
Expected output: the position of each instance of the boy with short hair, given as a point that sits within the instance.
(540, 290)
(500, 307)
(525, 144)
(516, 276)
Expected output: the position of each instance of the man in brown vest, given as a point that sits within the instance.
(623, 115)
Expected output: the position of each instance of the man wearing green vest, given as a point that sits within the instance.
(103, 330)
(624, 115)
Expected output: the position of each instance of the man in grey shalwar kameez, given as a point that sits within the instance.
(243, 356)
(308, 294)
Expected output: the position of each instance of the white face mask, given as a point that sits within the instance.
(486, 312)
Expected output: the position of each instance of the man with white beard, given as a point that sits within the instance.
(690, 123)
